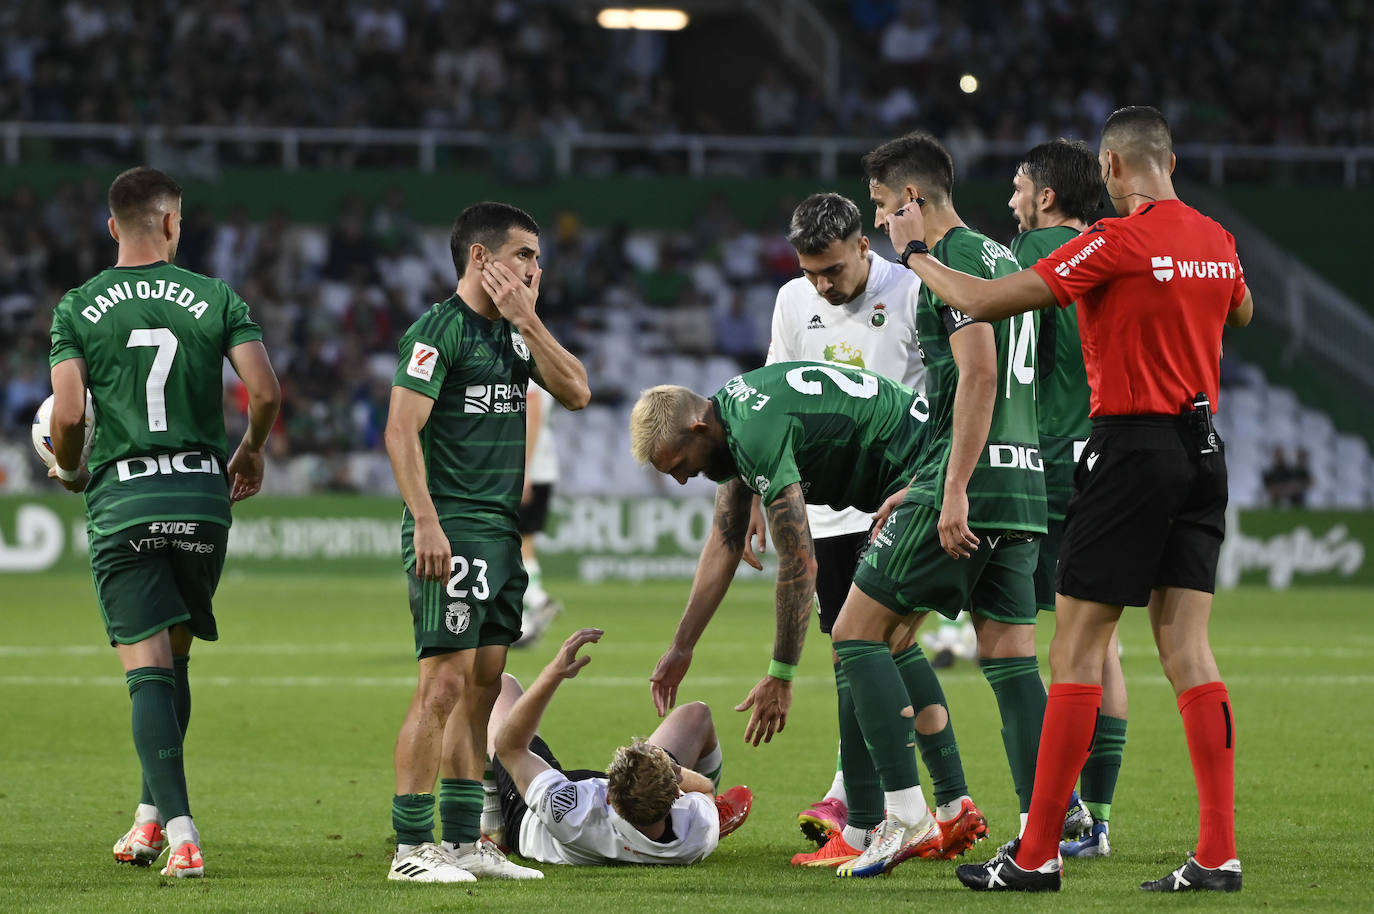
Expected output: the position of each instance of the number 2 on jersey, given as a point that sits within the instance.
(166, 343)
(865, 389)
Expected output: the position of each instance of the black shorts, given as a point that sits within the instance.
(836, 559)
(535, 515)
(1147, 511)
(513, 806)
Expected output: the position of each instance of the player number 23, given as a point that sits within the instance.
(460, 568)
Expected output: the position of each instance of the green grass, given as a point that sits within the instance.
(296, 710)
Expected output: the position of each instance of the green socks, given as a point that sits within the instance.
(460, 813)
(157, 738)
(863, 792)
(181, 701)
(460, 810)
(879, 700)
(412, 815)
(1104, 764)
(940, 750)
(1021, 700)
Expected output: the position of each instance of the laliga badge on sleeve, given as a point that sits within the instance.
(422, 359)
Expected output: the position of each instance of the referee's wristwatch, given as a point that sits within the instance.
(914, 246)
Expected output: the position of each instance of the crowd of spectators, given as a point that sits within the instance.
(1229, 71)
(333, 300)
(1235, 71)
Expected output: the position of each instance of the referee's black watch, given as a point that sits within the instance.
(914, 246)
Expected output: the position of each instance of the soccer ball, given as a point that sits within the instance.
(42, 432)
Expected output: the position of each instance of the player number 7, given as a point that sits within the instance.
(156, 388)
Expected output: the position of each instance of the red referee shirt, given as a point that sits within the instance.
(1153, 292)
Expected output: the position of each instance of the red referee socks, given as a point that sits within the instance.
(1065, 741)
(1206, 711)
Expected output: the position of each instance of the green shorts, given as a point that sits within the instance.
(1058, 455)
(480, 604)
(906, 570)
(152, 576)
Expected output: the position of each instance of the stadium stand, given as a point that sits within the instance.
(640, 306)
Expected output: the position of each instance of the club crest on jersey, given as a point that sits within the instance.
(878, 319)
(458, 616)
(761, 483)
(816, 323)
(522, 349)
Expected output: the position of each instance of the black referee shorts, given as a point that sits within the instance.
(1147, 511)
(836, 559)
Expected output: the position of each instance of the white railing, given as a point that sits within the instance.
(1356, 163)
(806, 37)
(1317, 317)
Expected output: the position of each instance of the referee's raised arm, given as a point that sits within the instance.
(1146, 520)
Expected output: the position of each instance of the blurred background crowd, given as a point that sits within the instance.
(1234, 71)
(334, 293)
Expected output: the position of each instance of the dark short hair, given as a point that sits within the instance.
(822, 219)
(1069, 168)
(1139, 133)
(140, 194)
(486, 224)
(916, 158)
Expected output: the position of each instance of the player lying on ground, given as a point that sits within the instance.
(653, 805)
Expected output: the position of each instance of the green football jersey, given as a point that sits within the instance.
(848, 436)
(1007, 489)
(1064, 393)
(476, 371)
(154, 339)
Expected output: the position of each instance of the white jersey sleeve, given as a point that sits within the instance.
(572, 822)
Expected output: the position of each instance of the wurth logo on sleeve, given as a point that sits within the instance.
(1163, 267)
(1065, 267)
(422, 359)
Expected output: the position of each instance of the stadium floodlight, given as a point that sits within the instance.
(659, 20)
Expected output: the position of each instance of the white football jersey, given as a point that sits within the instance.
(876, 331)
(571, 822)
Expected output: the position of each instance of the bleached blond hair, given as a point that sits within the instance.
(641, 785)
(662, 415)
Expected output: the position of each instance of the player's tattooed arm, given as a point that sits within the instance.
(796, 572)
(732, 514)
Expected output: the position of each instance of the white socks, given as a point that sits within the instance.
(908, 805)
(836, 791)
(180, 831)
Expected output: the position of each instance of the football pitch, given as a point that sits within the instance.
(296, 710)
